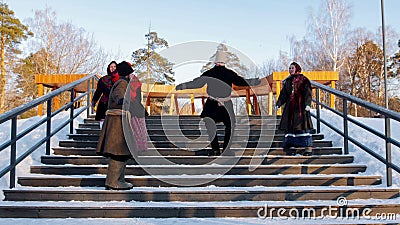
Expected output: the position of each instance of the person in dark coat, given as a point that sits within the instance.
(112, 142)
(103, 90)
(296, 120)
(218, 107)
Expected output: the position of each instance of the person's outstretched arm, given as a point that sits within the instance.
(196, 83)
(240, 81)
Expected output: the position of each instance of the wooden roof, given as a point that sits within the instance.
(58, 80)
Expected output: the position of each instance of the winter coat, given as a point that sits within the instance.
(102, 92)
(112, 140)
(219, 80)
(295, 96)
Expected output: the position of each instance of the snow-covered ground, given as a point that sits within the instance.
(374, 167)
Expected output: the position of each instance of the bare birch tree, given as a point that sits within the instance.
(323, 47)
(64, 47)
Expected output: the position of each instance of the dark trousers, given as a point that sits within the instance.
(213, 136)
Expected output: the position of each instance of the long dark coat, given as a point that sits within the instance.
(295, 95)
(219, 80)
(102, 92)
(112, 141)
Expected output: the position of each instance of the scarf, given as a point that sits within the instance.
(108, 82)
(296, 97)
(134, 84)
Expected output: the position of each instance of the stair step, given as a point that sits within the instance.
(89, 125)
(169, 181)
(158, 137)
(195, 144)
(200, 194)
(204, 180)
(201, 152)
(251, 209)
(186, 118)
(161, 131)
(92, 120)
(190, 126)
(200, 160)
(139, 170)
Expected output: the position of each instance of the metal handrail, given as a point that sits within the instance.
(13, 114)
(388, 115)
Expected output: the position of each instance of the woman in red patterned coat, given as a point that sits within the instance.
(102, 92)
(296, 120)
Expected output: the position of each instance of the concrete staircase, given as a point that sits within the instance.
(175, 178)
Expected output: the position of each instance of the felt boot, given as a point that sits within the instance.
(116, 170)
(121, 178)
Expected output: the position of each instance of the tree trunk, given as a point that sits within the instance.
(3, 75)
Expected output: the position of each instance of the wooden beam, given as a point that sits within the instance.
(40, 93)
(248, 102)
(192, 104)
(176, 104)
(270, 98)
(171, 104)
(256, 108)
(332, 96)
(278, 92)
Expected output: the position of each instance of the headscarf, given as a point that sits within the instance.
(297, 66)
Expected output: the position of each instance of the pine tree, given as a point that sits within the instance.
(232, 63)
(151, 66)
(394, 64)
(367, 74)
(12, 32)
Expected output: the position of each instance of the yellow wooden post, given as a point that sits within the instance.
(56, 100)
(40, 93)
(332, 96)
(176, 104)
(192, 104)
(248, 103)
(171, 106)
(270, 97)
(278, 92)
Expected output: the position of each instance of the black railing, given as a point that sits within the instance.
(47, 99)
(347, 99)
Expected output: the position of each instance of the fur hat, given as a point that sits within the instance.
(124, 68)
(221, 56)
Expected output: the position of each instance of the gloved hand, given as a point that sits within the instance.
(308, 108)
(179, 87)
(276, 108)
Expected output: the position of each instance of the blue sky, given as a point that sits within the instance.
(259, 28)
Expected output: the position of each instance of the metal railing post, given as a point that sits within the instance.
(91, 90)
(388, 152)
(13, 154)
(48, 126)
(345, 128)
(88, 99)
(71, 112)
(318, 111)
